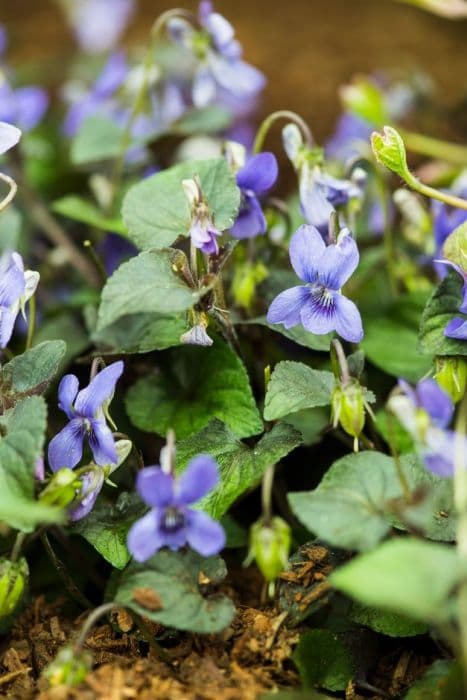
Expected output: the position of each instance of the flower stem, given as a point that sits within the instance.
(11, 194)
(460, 502)
(275, 116)
(17, 547)
(397, 460)
(32, 322)
(61, 570)
(435, 148)
(266, 494)
(91, 620)
(428, 191)
(338, 354)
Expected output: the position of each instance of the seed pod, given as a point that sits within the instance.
(451, 375)
(13, 583)
(348, 408)
(269, 546)
(69, 667)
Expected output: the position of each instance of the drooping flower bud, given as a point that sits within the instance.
(451, 375)
(13, 582)
(269, 546)
(348, 408)
(203, 232)
(69, 667)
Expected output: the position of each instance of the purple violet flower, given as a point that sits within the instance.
(255, 178)
(9, 137)
(426, 412)
(321, 193)
(86, 412)
(457, 327)
(446, 219)
(220, 58)
(99, 24)
(351, 137)
(203, 233)
(171, 522)
(319, 305)
(17, 286)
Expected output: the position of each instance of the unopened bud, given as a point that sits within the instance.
(197, 335)
(451, 375)
(348, 408)
(13, 582)
(69, 667)
(61, 489)
(293, 143)
(389, 150)
(269, 546)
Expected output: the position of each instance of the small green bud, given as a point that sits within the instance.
(389, 150)
(246, 278)
(364, 99)
(348, 407)
(69, 667)
(451, 375)
(61, 489)
(13, 582)
(269, 546)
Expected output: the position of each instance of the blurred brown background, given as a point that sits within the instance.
(307, 48)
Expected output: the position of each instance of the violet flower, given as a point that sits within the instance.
(255, 178)
(171, 522)
(17, 286)
(9, 137)
(219, 55)
(426, 412)
(24, 106)
(319, 305)
(457, 327)
(98, 24)
(86, 412)
(203, 232)
(351, 138)
(446, 219)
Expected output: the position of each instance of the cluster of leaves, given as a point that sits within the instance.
(254, 395)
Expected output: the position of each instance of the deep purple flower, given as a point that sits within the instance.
(86, 412)
(319, 305)
(171, 522)
(17, 286)
(99, 24)
(255, 178)
(351, 137)
(426, 412)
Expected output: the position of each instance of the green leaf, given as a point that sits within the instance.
(398, 321)
(171, 579)
(156, 210)
(141, 333)
(324, 660)
(106, 528)
(298, 334)
(202, 121)
(442, 681)
(385, 622)
(79, 209)
(455, 246)
(311, 422)
(394, 577)
(31, 372)
(97, 139)
(22, 431)
(348, 509)
(147, 284)
(294, 386)
(241, 467)
(197, 385)
(442, 306)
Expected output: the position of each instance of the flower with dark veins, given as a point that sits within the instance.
(319, 304)
(86, 410)
(171, 522)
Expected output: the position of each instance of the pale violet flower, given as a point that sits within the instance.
(17, 286)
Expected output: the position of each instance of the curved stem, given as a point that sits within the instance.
(17, 546)
(266, 494)
(91, 620)
(11, 194)
(339, 353)
(275, 116)
(435, 148)
(431, 192)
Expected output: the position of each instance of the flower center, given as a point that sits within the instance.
(322, 298)
(172, 520)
